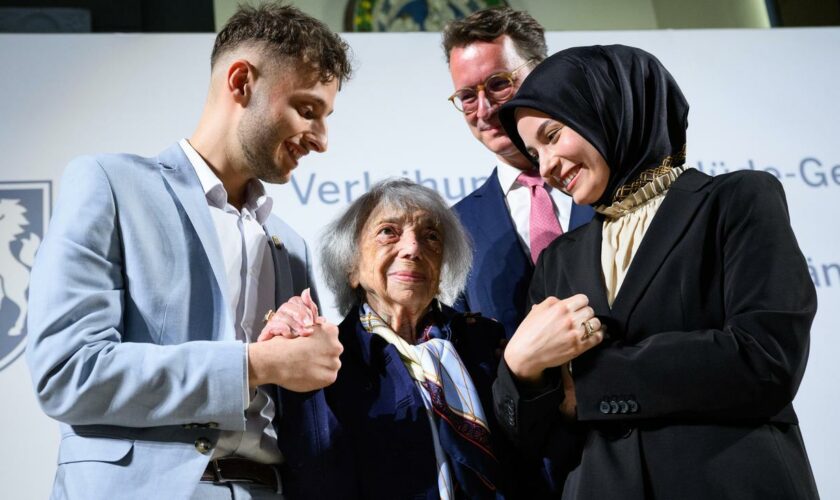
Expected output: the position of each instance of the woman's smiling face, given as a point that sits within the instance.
(400, 258)
(567, 161)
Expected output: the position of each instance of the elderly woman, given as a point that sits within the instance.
(407, 416)
(704, 292)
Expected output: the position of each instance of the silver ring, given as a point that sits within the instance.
(588, 330)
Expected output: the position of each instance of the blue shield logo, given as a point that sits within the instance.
(24, 212)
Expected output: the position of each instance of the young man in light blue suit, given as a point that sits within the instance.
(151, 285)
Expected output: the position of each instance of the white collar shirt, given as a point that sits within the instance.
(249, 269)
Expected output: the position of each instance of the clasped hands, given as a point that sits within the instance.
(554, 333)
(297, 349)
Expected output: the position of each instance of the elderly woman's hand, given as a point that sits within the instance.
(553, 333)
(295, 318)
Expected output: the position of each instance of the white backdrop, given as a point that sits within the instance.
(762, 99)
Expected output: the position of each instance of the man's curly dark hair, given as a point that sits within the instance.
(285, 32)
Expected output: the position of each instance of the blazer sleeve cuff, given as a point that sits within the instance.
(524, 412)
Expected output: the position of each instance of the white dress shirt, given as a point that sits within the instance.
(518, 201)
(249, 270)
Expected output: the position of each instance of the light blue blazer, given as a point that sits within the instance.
(131, 343)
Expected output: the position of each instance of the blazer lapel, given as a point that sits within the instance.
(497, 226)
(282, 292)
(178, 173)
(581, 214)
(583, 267)
(666, 228)
(283, 286)
(374, 350)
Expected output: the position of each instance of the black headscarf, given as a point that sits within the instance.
(620, 99)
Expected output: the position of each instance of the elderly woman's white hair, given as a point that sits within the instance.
(340, 241)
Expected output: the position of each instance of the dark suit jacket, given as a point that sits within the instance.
(690, 395)
(501, 272)
(368, 435)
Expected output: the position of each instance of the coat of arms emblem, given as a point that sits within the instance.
(24, 212)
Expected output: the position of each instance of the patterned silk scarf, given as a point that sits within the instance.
(458, 423)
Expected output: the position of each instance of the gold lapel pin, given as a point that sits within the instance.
(277, 243)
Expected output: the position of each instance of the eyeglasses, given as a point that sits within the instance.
(498, 88)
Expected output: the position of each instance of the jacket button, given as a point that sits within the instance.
(203, 446)
(633, 405)
(613, 406)
(623, 407)
(604, 407)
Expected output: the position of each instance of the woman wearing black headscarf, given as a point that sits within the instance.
(704, 296)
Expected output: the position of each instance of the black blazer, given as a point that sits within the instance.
(689, 396)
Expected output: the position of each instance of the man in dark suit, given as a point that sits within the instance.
(512, 216)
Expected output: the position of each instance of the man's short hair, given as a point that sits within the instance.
(286, 33)
(486, 25)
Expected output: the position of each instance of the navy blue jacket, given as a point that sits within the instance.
(368, 435)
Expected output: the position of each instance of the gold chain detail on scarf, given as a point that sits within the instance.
(649, 175)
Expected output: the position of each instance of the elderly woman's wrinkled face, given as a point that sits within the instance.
(400, 259)
(567, 160)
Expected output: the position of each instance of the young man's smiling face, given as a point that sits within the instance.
(284, 121)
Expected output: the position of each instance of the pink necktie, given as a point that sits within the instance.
(544, 227)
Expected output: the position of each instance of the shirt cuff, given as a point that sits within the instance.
(246, 393)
